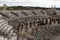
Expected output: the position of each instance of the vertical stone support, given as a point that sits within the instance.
(29, 29)
(33, 24)
(52, 23)
(28, 24)
(44, 23)
(41, 19)
(41, 23)
(21, 26)
(39, 26)
(48, 21)
(24, 27)
(37, 23)
(56, 22)
(44, 20)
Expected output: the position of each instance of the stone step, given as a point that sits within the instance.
(3, 27)
(8, 29)
(2, 21)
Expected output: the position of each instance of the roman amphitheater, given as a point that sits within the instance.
(30, 24)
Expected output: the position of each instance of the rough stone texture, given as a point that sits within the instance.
(31, 24)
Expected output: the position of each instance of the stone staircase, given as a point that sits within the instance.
(6, 30)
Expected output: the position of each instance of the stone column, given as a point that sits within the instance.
(29, 29)
(19, 25)
(23, 28)
(48, 21)
(32, 25)
(39, 26)
(56, 21)
(52, 23)
(28, 24)
(36, 23)
(44, 21)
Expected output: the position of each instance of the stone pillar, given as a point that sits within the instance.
(25, 25)
(52, 23)
(28, 24)
(33, 24)
(44, 21)
(21, 26)
(29, 29)
(41, 19)
(56, 21)
(38, 22)
(48, 21)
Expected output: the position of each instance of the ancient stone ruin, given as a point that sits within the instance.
(29, 24)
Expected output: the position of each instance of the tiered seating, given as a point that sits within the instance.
(5, 29)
